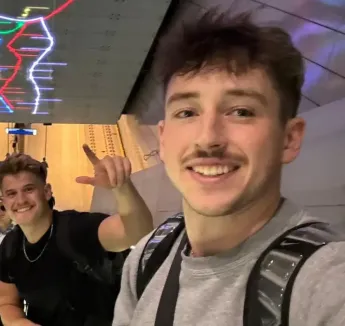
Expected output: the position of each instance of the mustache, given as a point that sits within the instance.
(219, 153)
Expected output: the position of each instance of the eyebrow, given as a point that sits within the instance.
(250, 93)
(182, 96)
(237, 92)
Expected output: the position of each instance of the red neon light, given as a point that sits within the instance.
(9, 92)
(17, 65)
(19, 57)
(28, 55)
(58, 10)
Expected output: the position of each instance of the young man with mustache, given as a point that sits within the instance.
(232, 91)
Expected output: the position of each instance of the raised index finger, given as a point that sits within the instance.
(90, 154)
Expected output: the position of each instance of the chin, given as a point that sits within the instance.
(211, 207)
(25, 218)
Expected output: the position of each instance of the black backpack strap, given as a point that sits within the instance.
(270, 283)
(157, 249)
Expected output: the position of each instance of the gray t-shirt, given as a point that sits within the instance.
(212, 289)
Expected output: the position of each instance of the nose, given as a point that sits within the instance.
(211, 133)
(20, 198)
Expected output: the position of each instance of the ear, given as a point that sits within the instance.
(48, 191)
(161, 139)
(294, 134)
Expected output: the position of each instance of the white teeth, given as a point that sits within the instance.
(213, 170)
(22, 210)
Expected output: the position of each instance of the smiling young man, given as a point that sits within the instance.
(65, 265)
(232, 90)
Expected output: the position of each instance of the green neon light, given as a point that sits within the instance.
(18, 26)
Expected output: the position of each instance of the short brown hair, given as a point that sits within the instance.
(17, 163)
(219, 41)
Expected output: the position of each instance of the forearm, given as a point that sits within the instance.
(135, 215)
(14, 316)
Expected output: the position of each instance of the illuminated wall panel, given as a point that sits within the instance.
(26, 74)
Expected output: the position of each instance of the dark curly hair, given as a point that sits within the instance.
(219, 41)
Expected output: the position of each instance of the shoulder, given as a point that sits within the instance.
(76, 214)
(319, 289)
(73, 218)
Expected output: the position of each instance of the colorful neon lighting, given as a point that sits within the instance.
(27, 10)
(7, 107)
(18, 26)
(35, 19)
(22, 24)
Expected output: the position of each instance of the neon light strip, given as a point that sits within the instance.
(46, 89)
(32, 49)
(19, 25)
(32, 35)
(31, 70)
(45, 78)
(44, 70)
(51, 100)
(7, 107)
(38, 37)
(53, 63)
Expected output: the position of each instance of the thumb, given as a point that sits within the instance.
(85, 180)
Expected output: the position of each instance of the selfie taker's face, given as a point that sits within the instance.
(222, 140)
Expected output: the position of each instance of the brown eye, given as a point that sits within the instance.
(242, 112)
(185, 114)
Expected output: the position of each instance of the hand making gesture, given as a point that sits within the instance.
(109, 172)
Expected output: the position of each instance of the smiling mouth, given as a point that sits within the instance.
(213, 170)
(23, 210)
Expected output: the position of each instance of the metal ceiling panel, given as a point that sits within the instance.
(73, 61)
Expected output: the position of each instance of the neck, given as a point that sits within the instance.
(209, 236)
(35, 231)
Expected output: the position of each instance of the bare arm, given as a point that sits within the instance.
(11, 310)
(133, 221)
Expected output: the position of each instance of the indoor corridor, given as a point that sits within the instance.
(61, 145)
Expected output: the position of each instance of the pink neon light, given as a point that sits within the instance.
(14, 92)
(32, 35)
